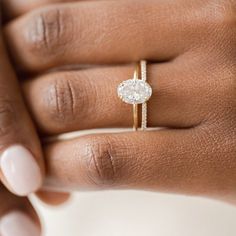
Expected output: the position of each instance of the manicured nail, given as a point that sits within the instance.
(20, 170)
(18, 224)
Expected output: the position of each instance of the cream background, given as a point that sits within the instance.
(131, 213)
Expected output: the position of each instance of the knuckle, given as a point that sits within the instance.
(7, 117)
(60, 100)
(101, 165)
(48, 31)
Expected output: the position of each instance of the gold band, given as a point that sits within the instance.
(135, 106)
(135, 115)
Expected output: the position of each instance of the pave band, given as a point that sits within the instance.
(143, 66)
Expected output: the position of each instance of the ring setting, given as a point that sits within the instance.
(134, 91)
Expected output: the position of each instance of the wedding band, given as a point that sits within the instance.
(143, 66)
(136, 91)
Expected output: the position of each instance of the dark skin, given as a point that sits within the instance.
(191, 49)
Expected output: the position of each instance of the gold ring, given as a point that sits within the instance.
(136, 91)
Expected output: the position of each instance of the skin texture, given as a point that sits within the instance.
(191, 49)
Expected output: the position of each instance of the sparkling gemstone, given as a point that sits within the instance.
(134, 91)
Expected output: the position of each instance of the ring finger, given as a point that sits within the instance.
(85, 99)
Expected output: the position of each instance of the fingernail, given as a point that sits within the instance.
(20, 170)
(18, 224)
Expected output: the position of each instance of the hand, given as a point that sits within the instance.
(191, 45)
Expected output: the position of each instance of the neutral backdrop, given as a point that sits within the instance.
(132, 213)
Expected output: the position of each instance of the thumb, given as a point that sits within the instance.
(21, 163)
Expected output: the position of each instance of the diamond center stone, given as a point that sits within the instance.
(134, 91)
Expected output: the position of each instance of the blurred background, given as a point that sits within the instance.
(134, 213)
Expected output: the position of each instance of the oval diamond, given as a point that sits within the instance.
(134, 91)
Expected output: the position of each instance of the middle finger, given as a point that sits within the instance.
(100, 32)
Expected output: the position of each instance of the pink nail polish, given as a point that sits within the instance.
(18, 224)
(20, 170)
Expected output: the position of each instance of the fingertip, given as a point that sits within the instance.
(20, 171)
(18, 223)
(53, 198)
